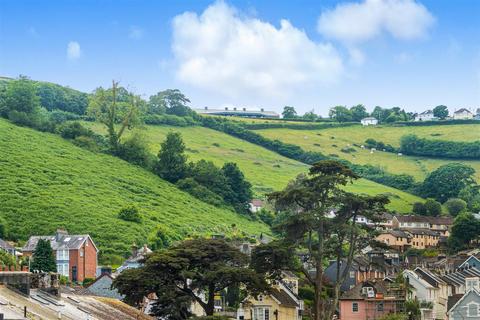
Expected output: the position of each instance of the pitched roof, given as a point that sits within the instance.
(463, 110)
(426, 112)
(5, 245)
(397, 233)
(466, 260)
(257, 202)
(429, 277)
(451, 305)
(380, 286)
(59, 241)
(425, 232)
(284, 298)
(440, 220)
(452, 300)
(369, 118)
(457, 278)
(411, 218)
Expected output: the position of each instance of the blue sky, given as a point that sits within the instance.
(308, 54)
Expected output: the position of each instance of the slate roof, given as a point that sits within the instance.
(463, 110)
(369, 118)
(453, 299)
(425, 232)
(61, 240)
(284, 298)
(355, 293)
(398, 233)
(457, 278)
(429, 277)
(440, 220)
(412, 218)
(5, 245)
(426, 112)
(102, 287)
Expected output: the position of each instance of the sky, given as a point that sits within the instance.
(312, 55)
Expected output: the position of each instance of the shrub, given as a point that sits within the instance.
(86, 143)
(87, 281)
(433, 207)
(60, 116)
(455, 206)
(348, 150)
(200, 192)
(135, 150)
(419, 208)
(130, 213)
(73, 130)
(413, 145)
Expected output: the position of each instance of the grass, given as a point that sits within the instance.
(266, 170)
(331, 141)
(46, 183)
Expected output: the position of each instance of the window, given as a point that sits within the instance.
(261, 314)
(62, 268)
(472, 284)
(62, 254)
(380, 306)
(81, 252)
(260, 298)
(352, 274)
(472, 310)
(355, 307)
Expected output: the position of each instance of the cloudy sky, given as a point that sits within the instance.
(308, 54)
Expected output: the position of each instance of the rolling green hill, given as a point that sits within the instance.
(331, 141)
(46, 183)
(265, 169)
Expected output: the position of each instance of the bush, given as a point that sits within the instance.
(86, 143)
(419, 208)
(197, 190)
(348, 150)
(455, 206)
(60, 116)
(130, 214)
(20, 118)
(87, 281)
(73, 130)
(135, 150)
(433, 208)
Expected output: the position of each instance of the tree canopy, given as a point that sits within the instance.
(192, 270)
(447, 181)
(171, 101)
(308, 202)
(289, 112)
(440, 112)
(172, 161)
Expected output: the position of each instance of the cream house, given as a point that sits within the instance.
(462, 114)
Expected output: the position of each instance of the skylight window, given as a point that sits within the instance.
(67, 239)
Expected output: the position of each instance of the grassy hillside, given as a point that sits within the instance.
(46, 182)
(331, 141)
(266, 170)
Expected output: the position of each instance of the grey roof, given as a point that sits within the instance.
(430, 277)
(463, 110)
(411, 218)
(426, 112)
(102, 287)
(5, 245)
(398, 233)
(284, 298)
(369, 118)
(62, 241)
(457, 278)
(423, 232)
(379, 286)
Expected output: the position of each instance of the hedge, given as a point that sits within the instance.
(413, 145)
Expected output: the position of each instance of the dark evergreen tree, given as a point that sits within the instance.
(241, 189)
(43, 258)
(172, 161)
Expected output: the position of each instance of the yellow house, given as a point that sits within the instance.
(280, 303)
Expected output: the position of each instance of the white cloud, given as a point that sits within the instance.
(73, 50)
(135, 32)
(234, 54)
(358, 22)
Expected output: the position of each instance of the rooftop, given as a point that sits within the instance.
(61, 240)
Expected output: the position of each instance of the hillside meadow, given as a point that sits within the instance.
(265, 169)
(46, 183)
(331, 142)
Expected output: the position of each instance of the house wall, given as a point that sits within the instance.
(420, 241)
(463, 115)
(267, 302)
(85, 259)
(366, 309)
(393, 241)
(459, 312)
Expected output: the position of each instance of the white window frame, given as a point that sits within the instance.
(63, 269)
(353, 308)
(63, 255)
(261, 313)
(478, 310)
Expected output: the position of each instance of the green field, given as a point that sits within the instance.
(266, 170)
(331, 141)
(46, 182)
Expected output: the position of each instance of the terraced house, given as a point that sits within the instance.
(76, 255)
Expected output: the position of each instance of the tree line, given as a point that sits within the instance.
(413, 145)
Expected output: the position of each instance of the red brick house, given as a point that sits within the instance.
(76, 255)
